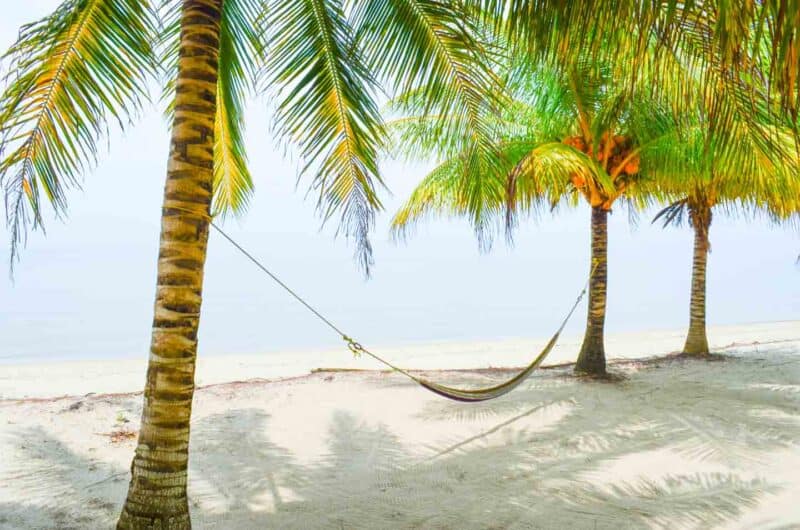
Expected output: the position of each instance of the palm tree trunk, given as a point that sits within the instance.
(696, 340)
(157, 492)
(592, 357)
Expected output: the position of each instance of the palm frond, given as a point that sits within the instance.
(440, 192)
(241, 57)
(724, 36)
(429, 52)
(674, 214)
(240, 53)
(327, 107)
(437, 194)
(70, 73)
(744, 166)
(543, 176)
(417, 138)
(429, 48)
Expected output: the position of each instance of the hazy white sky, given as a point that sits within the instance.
(86, 289)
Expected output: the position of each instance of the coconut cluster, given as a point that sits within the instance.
(616, 148)
(612, 151)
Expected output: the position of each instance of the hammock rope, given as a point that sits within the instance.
(453, 393)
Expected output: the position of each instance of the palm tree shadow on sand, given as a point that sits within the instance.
(517, 472)
(519, 475)
(60, 488)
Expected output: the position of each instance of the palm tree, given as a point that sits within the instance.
(87, 63)
(673, 57)
(568, 135)
(610, 131)
(754, 171)
(735, 153)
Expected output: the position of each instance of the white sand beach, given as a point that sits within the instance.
(70, 378)
(676, 444)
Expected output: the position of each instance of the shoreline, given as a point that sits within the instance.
(11, 360)
(717, 354)
(113, 376)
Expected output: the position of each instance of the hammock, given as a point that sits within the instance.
(492, 392)
(477, 394)
(456, 394)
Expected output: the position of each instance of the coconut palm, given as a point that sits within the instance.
(612, 132)
(568, 137)
(88, 62)
(754, 171)
(735, 154)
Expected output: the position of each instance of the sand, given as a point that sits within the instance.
(676, 444)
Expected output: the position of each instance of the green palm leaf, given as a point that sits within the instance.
(240, 60)
(428, 52)
(734, 37)
(440, 192)
(70, 73)
(542, 176)
(728, 150)
(240, 53)
(326, 106)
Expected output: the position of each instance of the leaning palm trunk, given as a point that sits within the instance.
(592, 357)
(157, 493)
(697, 341)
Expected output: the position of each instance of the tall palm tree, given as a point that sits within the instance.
(568, 136)
(609, 130)
(754, 171)
(736, 153)
(157, 492)
(87, 63)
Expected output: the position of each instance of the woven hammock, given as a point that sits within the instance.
(492, 392)
(456, 394)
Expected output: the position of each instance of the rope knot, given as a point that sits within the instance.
(353, 346)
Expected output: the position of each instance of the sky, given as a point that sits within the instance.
(85, 289)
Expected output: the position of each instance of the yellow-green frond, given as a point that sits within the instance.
(240, 58)
(326, 106)
(429, 53)
(543, 177)
(729, 36)
(233, 183)
(436, 195)
(440, 193)
(69, 74)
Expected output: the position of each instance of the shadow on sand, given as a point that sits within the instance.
(510, 475)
